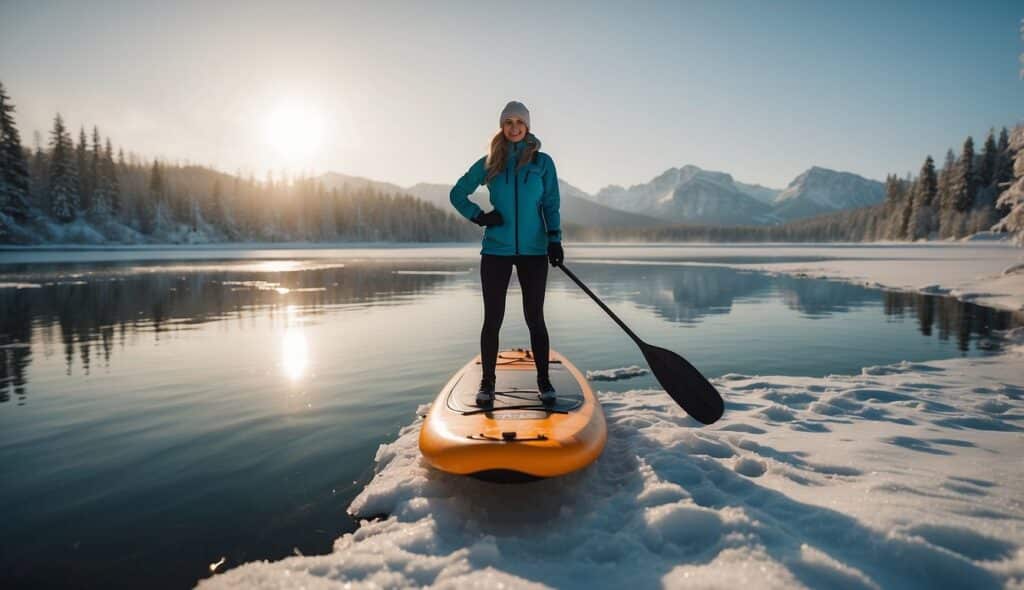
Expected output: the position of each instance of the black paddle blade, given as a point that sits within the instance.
(684, 383)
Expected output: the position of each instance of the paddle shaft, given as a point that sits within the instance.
(621, 324)
(681, 380)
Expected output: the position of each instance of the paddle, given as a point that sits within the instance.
(680, 379)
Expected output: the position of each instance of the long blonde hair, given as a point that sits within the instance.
(499, 152)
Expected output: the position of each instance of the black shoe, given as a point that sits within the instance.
(485, 394)
(546, 390)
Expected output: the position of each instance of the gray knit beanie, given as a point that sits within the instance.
(515, 108)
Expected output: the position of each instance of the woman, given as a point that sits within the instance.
(523, 230)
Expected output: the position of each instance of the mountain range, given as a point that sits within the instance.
(686, 195)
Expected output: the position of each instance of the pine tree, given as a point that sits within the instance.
(945, 195)
(987, 165)
(110, 175)
(1012, 199)
(156, 182)
(85, 180)
(964, 183)
(922, 217)
(897, 206)
(100, 201)
(15, 182)
(906, 198)
(153, 214)
(214, 213)
(1004, 160)
(64, 198)
(38, 167)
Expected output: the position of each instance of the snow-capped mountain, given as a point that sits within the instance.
(761, 193)
(693, 195)
(820, 190)
(576, 206)
(690, 195)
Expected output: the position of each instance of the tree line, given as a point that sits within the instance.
(130, 200)
(45, 193)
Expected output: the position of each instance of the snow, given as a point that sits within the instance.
(986, 236)
(832, 190)
(985, 272)
(616, 374)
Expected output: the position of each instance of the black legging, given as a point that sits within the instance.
(495, 272)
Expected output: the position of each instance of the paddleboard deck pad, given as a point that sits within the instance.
(519, 438)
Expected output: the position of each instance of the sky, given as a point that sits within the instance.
(410, 92)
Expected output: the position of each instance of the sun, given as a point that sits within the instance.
(294, 129)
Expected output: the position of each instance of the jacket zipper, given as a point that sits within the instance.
(517, 211)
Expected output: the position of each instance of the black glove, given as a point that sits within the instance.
(555, 254)
(488, 219)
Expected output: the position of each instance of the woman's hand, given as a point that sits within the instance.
(555, 253)
(488, 219)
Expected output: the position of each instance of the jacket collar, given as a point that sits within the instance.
(516, 147)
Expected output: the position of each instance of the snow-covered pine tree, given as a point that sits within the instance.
(1012, 199)
(897, 208)
(922, 215)
(964, 183)
(987, 164)
(15, 182)
(63, 183)
(1004, 162)
(944, 198)
(945, 195)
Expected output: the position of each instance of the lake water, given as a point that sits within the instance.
(163, 409)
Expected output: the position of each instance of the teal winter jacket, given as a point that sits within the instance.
(527, 199)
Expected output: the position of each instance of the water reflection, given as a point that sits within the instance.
(89, 318)
(951, 316)
(684, 294)
(689, 294)
(85, 313)
(294, 353)
(819, 298)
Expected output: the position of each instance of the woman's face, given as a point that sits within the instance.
(514, 128)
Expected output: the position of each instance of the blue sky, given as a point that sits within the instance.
(410, 91)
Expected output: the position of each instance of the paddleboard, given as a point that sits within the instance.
(519, 438)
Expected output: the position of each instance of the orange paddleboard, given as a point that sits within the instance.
(519, 438)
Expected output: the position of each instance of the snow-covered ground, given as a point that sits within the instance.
(907, 476)
(991, 275)
(616, 374)
(984, 271)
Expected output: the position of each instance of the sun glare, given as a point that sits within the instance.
(295, 130)
(295, 353)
